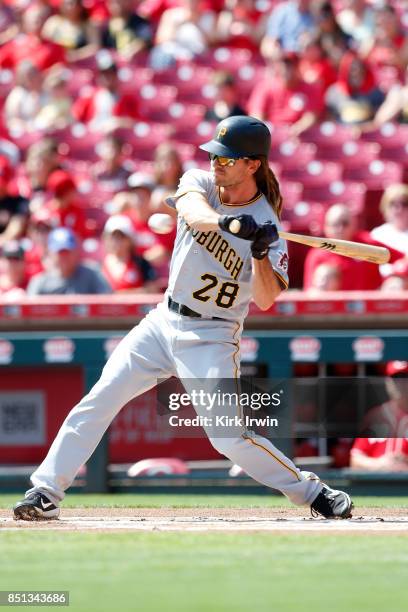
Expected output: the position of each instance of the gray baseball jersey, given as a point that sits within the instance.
(211, 271)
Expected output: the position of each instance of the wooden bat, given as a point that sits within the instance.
(347, 248)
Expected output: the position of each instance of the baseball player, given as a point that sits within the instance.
(194, 333)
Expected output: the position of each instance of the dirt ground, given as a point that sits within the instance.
(284, 520)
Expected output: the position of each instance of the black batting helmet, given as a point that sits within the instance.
(239, 136)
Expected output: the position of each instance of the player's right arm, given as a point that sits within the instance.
(196, 212)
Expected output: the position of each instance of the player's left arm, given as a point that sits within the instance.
(269, 265)
(265, 284)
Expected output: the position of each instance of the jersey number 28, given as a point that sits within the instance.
(226, 294)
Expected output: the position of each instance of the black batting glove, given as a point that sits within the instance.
(248, 225)
(266, 236)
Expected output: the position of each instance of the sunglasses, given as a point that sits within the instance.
(225, 161)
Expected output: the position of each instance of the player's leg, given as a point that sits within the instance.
(133, 368)
(256, 455)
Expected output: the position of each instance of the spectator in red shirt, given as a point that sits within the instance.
(241, 25)
(29, 44)
(355, 96)
(13, 275)
(36, 241)
(314, 65)
(13, 207)
(104, 107)
(283, 98)
(326, 277)
(124, 269)
(388, 45)
(397, 277)
(354, 275)
(391, 418)
(65, 207)
(42, 159)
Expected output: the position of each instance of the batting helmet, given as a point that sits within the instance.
(239, 136)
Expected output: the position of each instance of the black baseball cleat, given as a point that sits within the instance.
(332, 504)
(35, 507)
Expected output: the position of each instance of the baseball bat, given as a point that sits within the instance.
(347, 248)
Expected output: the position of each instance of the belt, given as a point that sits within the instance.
(181, 309)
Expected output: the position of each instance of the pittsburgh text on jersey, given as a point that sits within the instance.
(221, 250)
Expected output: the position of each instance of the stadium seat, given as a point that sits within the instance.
(143, 138)
(350, 154)
(183, 115)
(77, 79)
(305, 217)
(351, 193)
(388, 135)
(193, 83)
(328, 132)
(377, 174)
(154, 101)
(226, 58)
(195, 135)
(290, 153)
(314, 173)
(78, 142)
(246, 77)
(291, 193)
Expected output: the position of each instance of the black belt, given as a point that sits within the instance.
(181, 309)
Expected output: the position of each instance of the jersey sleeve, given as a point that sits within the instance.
(192, 181)
(279, 259)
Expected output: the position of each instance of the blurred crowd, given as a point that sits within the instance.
(103, 104)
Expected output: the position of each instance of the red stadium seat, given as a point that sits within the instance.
(183, 115)
(143, 138)
(291, 153)
(226, 58)
(305, 217)
(77, 79)
(328, 132)
(195, 135)
(389, 135)
(279, 133)
(24, 140)
(314, 173)
(154, 101)
(246, 77)
(352, 194)
(78, 142)
(291, 193)
(375, 175)
(350, 154)
(193, 83)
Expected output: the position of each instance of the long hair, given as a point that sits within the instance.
(268, 184)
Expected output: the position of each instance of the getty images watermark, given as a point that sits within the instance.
(221, 401)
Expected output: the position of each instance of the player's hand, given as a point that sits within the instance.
(266, 237)
(248, 227)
